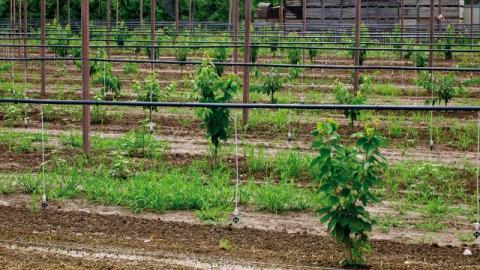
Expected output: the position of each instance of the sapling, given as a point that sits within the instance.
(450, 40)
(443, 87)
(181, 55)
(121, 32)
(268, 84)
(364, 40)
(150, 91)
(109, 82)
(293, 56)
(346, 97)
(212, 88)
(219, 55)
(346, 175)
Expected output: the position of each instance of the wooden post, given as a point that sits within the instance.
(323, 12)
(68, 13)
(58, 11)
(85, 74)
(25, 29)
(402, 25)
(153, 7)
(246, 59)
(107, 21)
(141, 15)
(304, 16)
(432, 33)
(43, 92)
(116, 14)
(282, 20)
(177, 15)
(356, 75)
(235, 34)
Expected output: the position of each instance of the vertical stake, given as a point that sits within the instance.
(85, 74)
(356, 74)
(246, 59)
(43, 92)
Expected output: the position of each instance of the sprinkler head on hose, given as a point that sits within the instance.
(432, 146)
(25, 122)
(236, 218)
(44, 202)
(289, 137)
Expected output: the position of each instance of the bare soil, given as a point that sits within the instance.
(57, 239)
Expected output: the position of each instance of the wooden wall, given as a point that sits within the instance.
(373, 11)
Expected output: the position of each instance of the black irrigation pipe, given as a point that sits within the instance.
(267, 44)
(241, 46)
(241, 64)
(229, 34)
(245, 105)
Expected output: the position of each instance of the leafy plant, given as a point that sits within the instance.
(347, 174)
(450, 40)
(293, 56)
(269, 83)
(219, 55)
(150, 90)
(364, 40)
(60, 40)
(121, 34)
(108, 81)
(420, 59)
(212, 88)
(344, 96)
(181, 55)
(443, 87)
(130, 68)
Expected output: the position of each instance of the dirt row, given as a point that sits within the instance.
(112, 240)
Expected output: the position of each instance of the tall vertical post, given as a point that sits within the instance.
(85, 74)
(68, 13)
(402, 25)
(418, 21)
(246, 59)
(190, 18)
(25, 29)
(107, 22)
(432, 40)
(282, 20)
(153, 7)
(19, 16)
(117, 18)
(356, 74)
(440, 12)
(177, 15)
(304, 16)
(14, 21)
(43, 11)
(235, 34)
(471, 24)
(323, 12)
(57, 16)
(141, 15)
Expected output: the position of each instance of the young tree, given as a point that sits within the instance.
(212, 88)
(346, 175)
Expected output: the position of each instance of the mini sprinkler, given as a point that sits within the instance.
(476, 225)
(236, 212)
(44, 188)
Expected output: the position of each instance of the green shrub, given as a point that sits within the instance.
(346, 175)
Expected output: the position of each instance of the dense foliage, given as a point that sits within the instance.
(347, 174)
(204, 10)
(212, 88)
